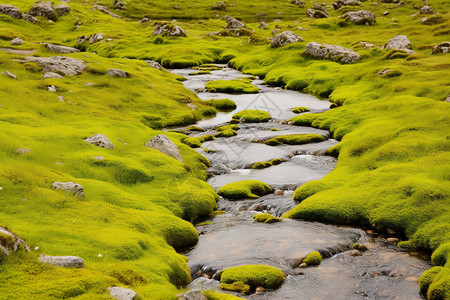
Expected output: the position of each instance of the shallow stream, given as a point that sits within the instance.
(233, 239)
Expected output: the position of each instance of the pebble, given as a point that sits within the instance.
(303, 265)
(393, 240)
(278, 193)
(355, 253)
(260, 289)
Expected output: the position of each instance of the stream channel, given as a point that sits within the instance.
(382, 272)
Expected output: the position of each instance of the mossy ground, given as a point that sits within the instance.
(244, 189)
(393, 156)
(252, 276)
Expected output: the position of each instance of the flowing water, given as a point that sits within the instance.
(233, 239)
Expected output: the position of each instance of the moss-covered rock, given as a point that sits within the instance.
(253, 276)
(252, 116)
(235, 86)
(299, 110)
(226, 133)
(313, 259)
(244, 189)
(222, 104)
(427, 278)
(266, 164)
(196, 128)
(266, 218)
(295, 139)
(196, 142)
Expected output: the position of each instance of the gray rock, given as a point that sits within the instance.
(399, 42)
(366, 45)
(154, 64)
(361, 17)
(262, 25)
(219, 5)
(23, 151)
(168, 29)
(386, 13)
(117, 73)
(67, 65)
(118, 4)
(321, 8)
(144, 20)
(426, 10)
(52, 75)
(315, 14)
(100, 140)
(331, 52)
(69, 187)
(12, 243)
(96, 37)
(121, 293)
(338, 4)
(52, 89)
(9, 74)
(10, 10)
(43, 9)
(62, 9)
(62, 261)
(233, 24)
(30, 18)
(193, 295)
(164, 145)
(106, 11)
(61, 49)
(204, 284)
(443, 47)
(16, 42)
(284, 38)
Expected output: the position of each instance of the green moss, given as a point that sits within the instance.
(299, 110)
(236, 287)
(222, 104)
(226, 127)
(244, 189)
(313, 259)
(266, 218)
(266, 164)
(196, 142)
(427, 278)
(252, 116)
(216, 213)
(196, 128)
(308, 189)
(253, 276)
(231, 86)
(214, 295)
(295, 139)
(226, 133)
(396, 53)
(203, 72)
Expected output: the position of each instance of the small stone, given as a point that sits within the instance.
(426, 10)
(121, 293)
(98, 158)
(303, 265)
(285, 38)
(100, 255)
(61, 98)
(100, 140)
(443, 47)
(298, 271)
(96, 37)
(393, 240)
(263, 25)
(257, 207)
(363, 248)
(260, 289)
(278, 193)
(196, 294)
(52, 89)
(117, 73)
(154, 64)
(16, 42)
(9, 74)
(63, 261)
(386, 13)
(355, 252)
(23, 151)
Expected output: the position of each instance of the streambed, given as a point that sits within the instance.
(233, 239)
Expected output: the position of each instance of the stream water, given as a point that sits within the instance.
(233, 239)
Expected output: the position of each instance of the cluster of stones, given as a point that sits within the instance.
(39, 9)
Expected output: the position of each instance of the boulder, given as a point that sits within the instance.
(117, 73)
(96, 37)
(62, 261)
(9, 242)
(361, 17)
(154, 64)
(9, 74)
(121, 293)
(284, 38)
(316, 14)
(204, 284)
(62, 9)
(443, 47)
(399, 42)
(426, 10)
(235, 28)
(219, 5)
(168, 29)
(67, 65)
(106, 11)
(10, 10)
(52, 75)
(30, 18)
(69, 187)
(23, 151)
(193, 295)
(43, 9)
(233, 24)
(100, 140)
(164, 145)
(319, 7)
(338, 4)
(16, 42)
(331, 52)
(61, 49)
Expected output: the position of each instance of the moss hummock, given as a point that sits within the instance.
(253, 276)
(313, 259)
(222, 104)
(266, 164)
(244, 189)
(235, 86)
(252, 116)
(295, 139)
(299, 110)
(266, 218)
(196, 142)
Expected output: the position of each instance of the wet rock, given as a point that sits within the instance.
(52, 75)
(154, 64)
(331, 52)
(443, 47)
(106, 11)
(399, 42)
(30, 18)
(69, 187)
(355, 252)
(426, 10)
(10, 10)
(361, 17)
(284, 38)
(9, 74)
(316, 14)
(278, 193)
(63, 261)
(23, 151)
(260, 289)
(16, 42)
(164, 145)
(118, 4)
(338, 4)
(263, 25)
(168, 29)
(219, 5)
(100, 140)
(121, 293)
(117, 73)
(257, 207)
(393, 240)
(67, 65)
(193, 295)
(43, 9)
(9, 242)
(62, 9)
(61, 49)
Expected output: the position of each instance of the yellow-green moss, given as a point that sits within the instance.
(222, 104)
(295, 139)
(231, 86)
(252, 116)
(253, 276)
(244, 189)
(266, 218)
(299, 110)
(313, 259)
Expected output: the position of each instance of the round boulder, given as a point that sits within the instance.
(361, 17)
(43, 9)
(10, 10)
(100, 140)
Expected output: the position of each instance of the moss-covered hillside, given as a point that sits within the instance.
(391, 118)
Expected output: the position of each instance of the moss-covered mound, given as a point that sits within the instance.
(266, 218)
(252, 116)
(196, 142)
(244, 189)
(266, 164)
(222, 104)
(313, 259)
(295, 139)
(226, 133)
(235, 86)
(252, 276)
(299, 110)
